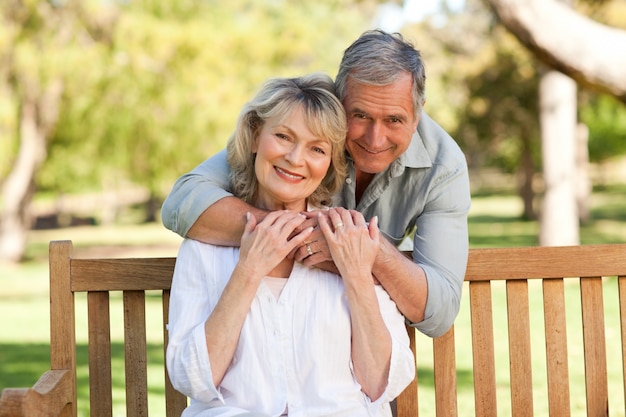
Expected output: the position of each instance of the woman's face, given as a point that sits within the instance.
(290, 164)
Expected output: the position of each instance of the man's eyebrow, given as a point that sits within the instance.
(357, 110)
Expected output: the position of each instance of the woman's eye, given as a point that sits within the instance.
(282, 136)
(319, 150)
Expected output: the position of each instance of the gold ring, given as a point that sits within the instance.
(338, 225)
(308, 249)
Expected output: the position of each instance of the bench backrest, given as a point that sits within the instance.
(516, 266)
(555, 269)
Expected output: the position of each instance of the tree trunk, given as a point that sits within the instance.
(583, 181)
(526, 173)
(38, 114)
(559, 216)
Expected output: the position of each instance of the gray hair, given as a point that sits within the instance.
(324, 115)
(378, 58)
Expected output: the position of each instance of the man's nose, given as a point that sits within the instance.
(376, 136)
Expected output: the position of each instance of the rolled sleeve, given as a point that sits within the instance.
(187, 356)
(196, 191)
(190, 370)
(441, 248)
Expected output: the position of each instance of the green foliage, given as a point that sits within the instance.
(500, 118)
(166, 92)
(606, 120)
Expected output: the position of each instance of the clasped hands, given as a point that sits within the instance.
(314, 239)
(332, 223)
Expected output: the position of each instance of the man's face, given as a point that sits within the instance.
(380, 123)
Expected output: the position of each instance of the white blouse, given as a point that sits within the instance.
(294, 351)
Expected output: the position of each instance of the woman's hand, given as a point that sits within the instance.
(353, 244)
(266, 244)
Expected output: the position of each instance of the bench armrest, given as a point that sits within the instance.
(48, 397)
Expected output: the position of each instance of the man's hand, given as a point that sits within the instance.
(314, 251)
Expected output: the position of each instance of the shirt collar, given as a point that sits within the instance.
(416, 156)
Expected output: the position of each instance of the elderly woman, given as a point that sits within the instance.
(251, 331)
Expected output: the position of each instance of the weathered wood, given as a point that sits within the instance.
(519, 348)
(100, 383)
(546, 262)
(482, 348)
(444, 368)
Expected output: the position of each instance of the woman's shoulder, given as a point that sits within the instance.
(207, 251)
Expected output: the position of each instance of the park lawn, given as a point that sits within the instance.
(493, 222)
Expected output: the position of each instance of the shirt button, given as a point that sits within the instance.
(348, 180)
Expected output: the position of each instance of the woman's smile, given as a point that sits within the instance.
(290, 175)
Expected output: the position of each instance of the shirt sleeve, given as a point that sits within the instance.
(196, 191)
(191, 304)
(402, 364)
(441, 246)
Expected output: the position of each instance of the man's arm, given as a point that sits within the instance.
(223, 222)
(427, 289)
(202, 207)
(403, 279)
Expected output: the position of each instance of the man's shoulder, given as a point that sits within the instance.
(439, 144)
(429, 130)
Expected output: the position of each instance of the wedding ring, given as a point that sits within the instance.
(308, 249)
(338, 225)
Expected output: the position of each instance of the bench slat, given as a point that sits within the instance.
(62, 316)
(621, 281)
(135, 353)
(546, 262)
(518, 313)
(482, 348)
(147, 274)
(408, 403)
(99, 323)
(444, 362)
(556, 347)
(175, 402)
(595, 346)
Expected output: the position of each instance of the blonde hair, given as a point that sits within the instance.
(314, 95)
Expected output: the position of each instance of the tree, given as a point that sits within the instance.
(43, 38)
(137, 93)
(559, 37)
(591, 53)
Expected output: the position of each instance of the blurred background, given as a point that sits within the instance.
(105, 103)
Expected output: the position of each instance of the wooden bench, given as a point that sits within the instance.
(55, 393)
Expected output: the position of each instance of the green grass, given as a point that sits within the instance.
(494, 222)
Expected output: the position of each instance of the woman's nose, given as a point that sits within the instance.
(294, 155)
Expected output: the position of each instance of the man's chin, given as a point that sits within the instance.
(371, 169)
